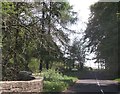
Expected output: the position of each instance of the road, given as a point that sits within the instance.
(92, 84)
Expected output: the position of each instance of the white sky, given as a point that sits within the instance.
(83, 10)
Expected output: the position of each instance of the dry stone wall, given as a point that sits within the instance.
(22, 86)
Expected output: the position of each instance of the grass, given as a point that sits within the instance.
(118, 79)
(55, 81)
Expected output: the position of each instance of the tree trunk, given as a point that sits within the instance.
(81, 66)
(16, 39)
(26, 67)
(73, 65)
(47, 65)
(16, 69)
(40, 66)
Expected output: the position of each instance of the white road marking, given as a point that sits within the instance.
(102, 91)
(98, 84)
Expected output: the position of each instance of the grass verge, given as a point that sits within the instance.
(118, 79)
(55, 81)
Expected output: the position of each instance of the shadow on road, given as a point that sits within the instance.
(93, 82)
(90, 86)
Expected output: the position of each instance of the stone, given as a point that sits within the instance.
(23, 87)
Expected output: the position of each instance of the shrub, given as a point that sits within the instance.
(34, 65)
(55, 81)
(118, 79)
(52, 75)
(54, 86)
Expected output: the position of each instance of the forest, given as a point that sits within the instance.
(35, 37)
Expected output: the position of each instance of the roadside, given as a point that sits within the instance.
(118, 79)
(90, 83)
(55, 81)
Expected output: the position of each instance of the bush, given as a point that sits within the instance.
(55, 81)
(52, 75)
(118, 79)
(34, 65)
(54, 86)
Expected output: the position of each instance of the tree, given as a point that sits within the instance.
(52, 15)
(102, 33)
(30, 31)
(77, 53)
(13, 40)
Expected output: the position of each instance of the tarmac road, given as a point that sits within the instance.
(90, 84)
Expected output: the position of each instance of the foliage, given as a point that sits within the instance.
(118, 79)
(55, 81)
(30, 30)
(54, 86)
(76, 53)
(34, 65)
(76, 73)
(7, 8)
(102, 34)
(52, 75)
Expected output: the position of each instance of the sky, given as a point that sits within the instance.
(82, 7)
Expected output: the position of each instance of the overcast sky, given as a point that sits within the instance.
(82, 7)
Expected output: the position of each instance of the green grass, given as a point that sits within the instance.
(55, 81)
(118, 79)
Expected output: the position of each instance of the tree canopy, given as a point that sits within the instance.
(32, 30)
(102, 34)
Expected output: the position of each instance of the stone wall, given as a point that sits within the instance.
(22, 86)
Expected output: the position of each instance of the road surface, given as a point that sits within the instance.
(90, 84)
